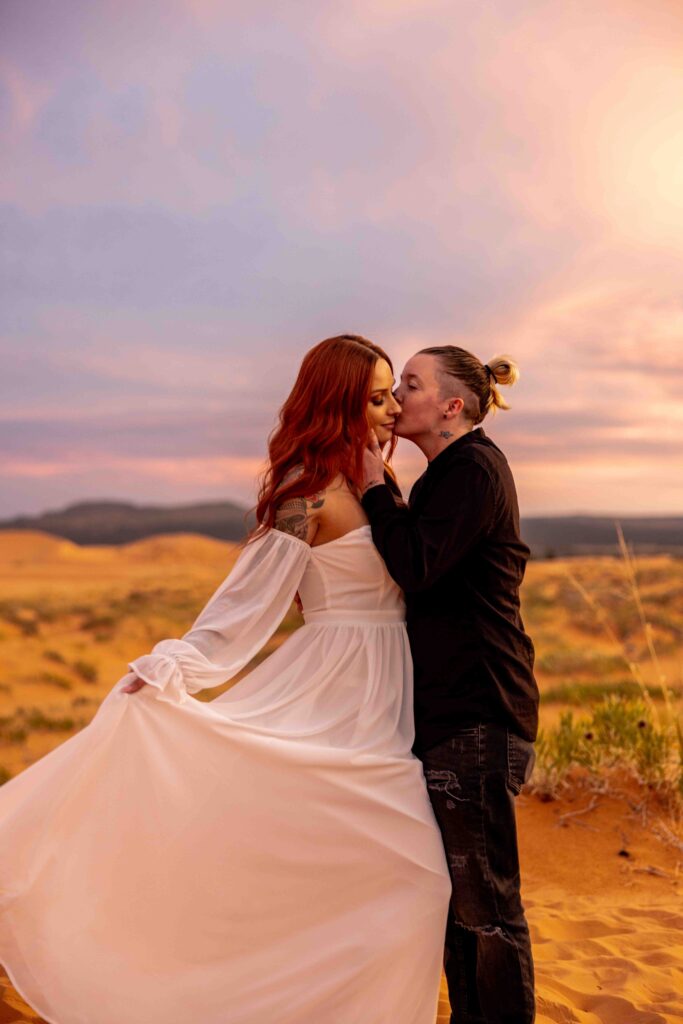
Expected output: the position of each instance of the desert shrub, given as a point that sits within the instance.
(77, 609)
(621, 733)
(102, 625)
(55, 656)
(582, 694)
(37, 719)
(561, 660)
(625, 732)
(54, 679)
(11, 728)
(15, 728)
(136, 600)
(558, 750)
(24, 618)
(85, 670)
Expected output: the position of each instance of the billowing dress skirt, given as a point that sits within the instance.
(269, 857)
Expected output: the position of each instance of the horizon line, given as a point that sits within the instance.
(581, 513)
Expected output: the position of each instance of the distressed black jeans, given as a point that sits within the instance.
(473, 779)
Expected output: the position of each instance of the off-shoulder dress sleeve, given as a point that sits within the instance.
(238, 619)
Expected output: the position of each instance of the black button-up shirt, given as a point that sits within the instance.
(457, 554)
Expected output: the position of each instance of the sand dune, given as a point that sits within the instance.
(603, 893)
(33, 546)
(22, 547)
(176, 547)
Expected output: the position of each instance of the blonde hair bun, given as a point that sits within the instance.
(504, 369)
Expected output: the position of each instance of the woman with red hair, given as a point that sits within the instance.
(271, 855)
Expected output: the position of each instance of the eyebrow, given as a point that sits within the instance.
(413, 375)
(380, 391)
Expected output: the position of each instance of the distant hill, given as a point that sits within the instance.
(559, 536)
(116, 522)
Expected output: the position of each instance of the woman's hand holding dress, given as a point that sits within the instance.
(133, 687)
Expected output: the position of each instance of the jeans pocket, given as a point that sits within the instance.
(521, 761)
(462, 746)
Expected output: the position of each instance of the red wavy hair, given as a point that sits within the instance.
(323, 425)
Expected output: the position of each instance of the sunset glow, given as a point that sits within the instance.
(196, 193)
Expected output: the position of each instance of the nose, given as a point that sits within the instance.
(395, 404)
(397, 397)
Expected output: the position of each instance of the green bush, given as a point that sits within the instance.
(619, 733)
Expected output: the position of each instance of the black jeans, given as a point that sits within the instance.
(473, 779)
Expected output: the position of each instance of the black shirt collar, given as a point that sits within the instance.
(460, 442)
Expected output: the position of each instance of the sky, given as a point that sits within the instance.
(194, 192)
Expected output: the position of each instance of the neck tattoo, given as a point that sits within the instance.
(445, 433)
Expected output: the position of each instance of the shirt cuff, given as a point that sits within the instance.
(378, 499)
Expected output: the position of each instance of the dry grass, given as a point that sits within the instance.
(633, 724)
(71, 618)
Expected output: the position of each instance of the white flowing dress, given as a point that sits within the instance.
(270, 857)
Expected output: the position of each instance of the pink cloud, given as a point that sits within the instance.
(172, 480)
(27, 96)
(503, 177)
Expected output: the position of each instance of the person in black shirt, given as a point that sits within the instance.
(457, 553)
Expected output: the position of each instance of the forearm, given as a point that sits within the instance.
(396, 537)
(420, 548)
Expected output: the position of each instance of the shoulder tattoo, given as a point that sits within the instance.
(293, 515)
